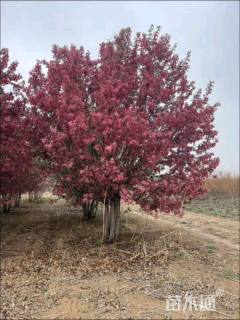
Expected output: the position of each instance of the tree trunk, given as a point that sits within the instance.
(117, 213)
(1, 204)
(5, 202)
(106, 222)
(89, 210)
(30, 196)
(8, 206)
(92, 209)
(85, 211)
(111, 220)
(8, 198)
(18, 199)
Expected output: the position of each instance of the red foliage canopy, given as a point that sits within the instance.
(129, 123)
(16, 165)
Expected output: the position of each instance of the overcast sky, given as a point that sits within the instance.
(210, 30)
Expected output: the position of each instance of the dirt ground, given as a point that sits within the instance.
(53, 265)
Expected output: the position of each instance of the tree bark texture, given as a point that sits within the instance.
(111, 220)
(90, 210)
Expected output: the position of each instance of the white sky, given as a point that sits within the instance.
(210, 30)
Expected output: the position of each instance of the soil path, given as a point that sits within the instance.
(221, 231)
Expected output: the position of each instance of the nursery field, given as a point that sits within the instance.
(55, 267)
(217, 205)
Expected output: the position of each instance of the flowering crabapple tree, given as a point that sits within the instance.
(14, 148)
(128, 125)
(35, 180)
(16, 154)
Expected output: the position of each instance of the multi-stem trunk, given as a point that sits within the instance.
(111, 219)
(90, 210)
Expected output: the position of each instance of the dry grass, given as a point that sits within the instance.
(224, 184)
(54, 266)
